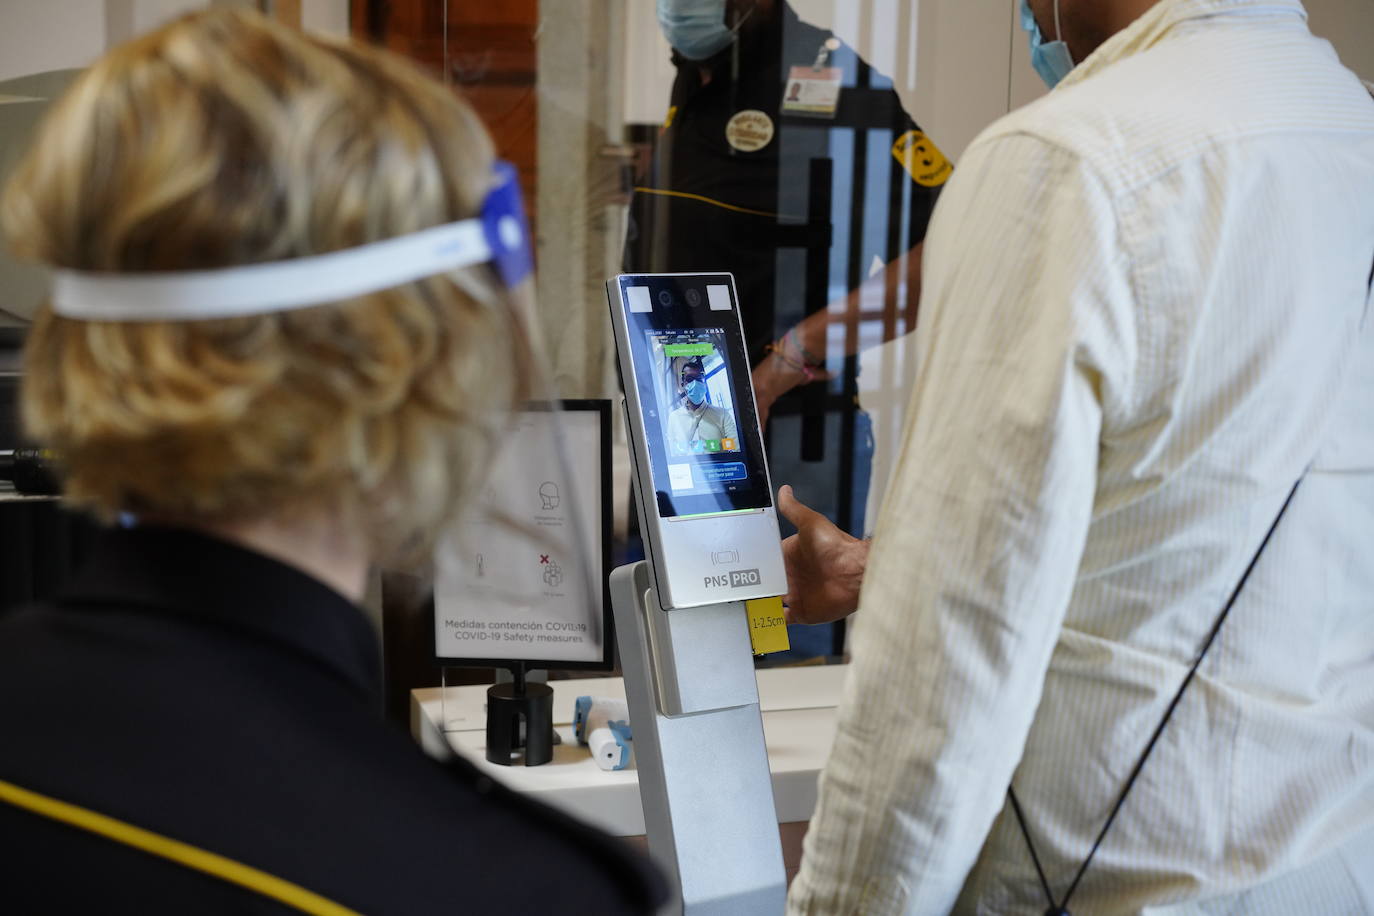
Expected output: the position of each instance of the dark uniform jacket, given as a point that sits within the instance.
(762, 213)
(217, 701)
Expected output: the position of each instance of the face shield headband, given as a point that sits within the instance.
(499, 236)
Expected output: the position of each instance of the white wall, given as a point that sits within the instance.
(325, 17)
(65, 34)
(649, 72)
(40, 35)
(1349, 26)
(949, 59)
(964, 69)
(35, 37)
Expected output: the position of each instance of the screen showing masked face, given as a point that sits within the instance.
(693, 383)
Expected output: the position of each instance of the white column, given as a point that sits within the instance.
(580, 214)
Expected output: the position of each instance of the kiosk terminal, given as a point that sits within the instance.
(711, 526)
(711, 536)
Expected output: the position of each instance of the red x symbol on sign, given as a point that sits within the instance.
(543, 558)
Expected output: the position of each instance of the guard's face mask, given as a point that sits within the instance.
(1051, 59)
(696, 28)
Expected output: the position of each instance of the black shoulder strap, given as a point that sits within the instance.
(1061, 908)
(1370, 284)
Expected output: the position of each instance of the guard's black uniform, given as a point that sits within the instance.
(221, 699)
(712, 206)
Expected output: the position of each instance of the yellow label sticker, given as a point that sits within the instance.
(767, 626)
(672, 113)
(922, 159)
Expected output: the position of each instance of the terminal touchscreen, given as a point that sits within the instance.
(696, 436)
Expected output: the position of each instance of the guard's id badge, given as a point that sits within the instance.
(812, 92)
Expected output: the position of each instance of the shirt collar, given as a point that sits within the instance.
(202, 578)
(1162, 18)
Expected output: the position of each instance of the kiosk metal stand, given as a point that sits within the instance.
(703, 767)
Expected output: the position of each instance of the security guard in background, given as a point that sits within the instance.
(744, 178)
(780, 144)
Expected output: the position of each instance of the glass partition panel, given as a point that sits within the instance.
(800, 146)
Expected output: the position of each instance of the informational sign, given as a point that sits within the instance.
(522, 576)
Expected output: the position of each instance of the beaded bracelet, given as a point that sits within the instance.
(807, 365)
(803, 368)
(807, 356)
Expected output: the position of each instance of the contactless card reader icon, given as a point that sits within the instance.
(725, 557)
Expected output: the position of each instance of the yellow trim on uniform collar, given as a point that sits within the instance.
(213, 864)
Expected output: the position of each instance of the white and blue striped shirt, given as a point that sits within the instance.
(1145, 312)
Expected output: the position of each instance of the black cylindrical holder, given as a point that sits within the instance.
(33, 471)
(511, 706)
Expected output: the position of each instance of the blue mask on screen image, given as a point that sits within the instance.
(696, 391)
(696, 28)
(1051, 59)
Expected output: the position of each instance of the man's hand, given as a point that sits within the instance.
(825, 566)
(771, 381)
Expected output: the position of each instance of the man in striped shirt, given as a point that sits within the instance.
(1146, 317)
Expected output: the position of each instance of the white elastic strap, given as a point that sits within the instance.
(257, 289)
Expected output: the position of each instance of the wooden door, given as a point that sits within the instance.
(485, 48)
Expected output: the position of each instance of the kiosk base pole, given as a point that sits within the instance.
(699, 749)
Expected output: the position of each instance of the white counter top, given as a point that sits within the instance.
(798, 707)
(10, 495)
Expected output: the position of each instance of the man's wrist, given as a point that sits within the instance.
(775, 377)
(789, 353)
(858, 561)
(808, 359)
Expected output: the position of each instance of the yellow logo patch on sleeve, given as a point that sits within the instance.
(922, 159)
(672, 113)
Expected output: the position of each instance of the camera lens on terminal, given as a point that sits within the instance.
(665, 298)
(693, 298)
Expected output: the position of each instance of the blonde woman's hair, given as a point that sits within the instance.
(226, 139)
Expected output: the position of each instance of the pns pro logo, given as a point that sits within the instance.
(739, 578)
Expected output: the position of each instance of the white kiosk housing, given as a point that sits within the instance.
(711, 535)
